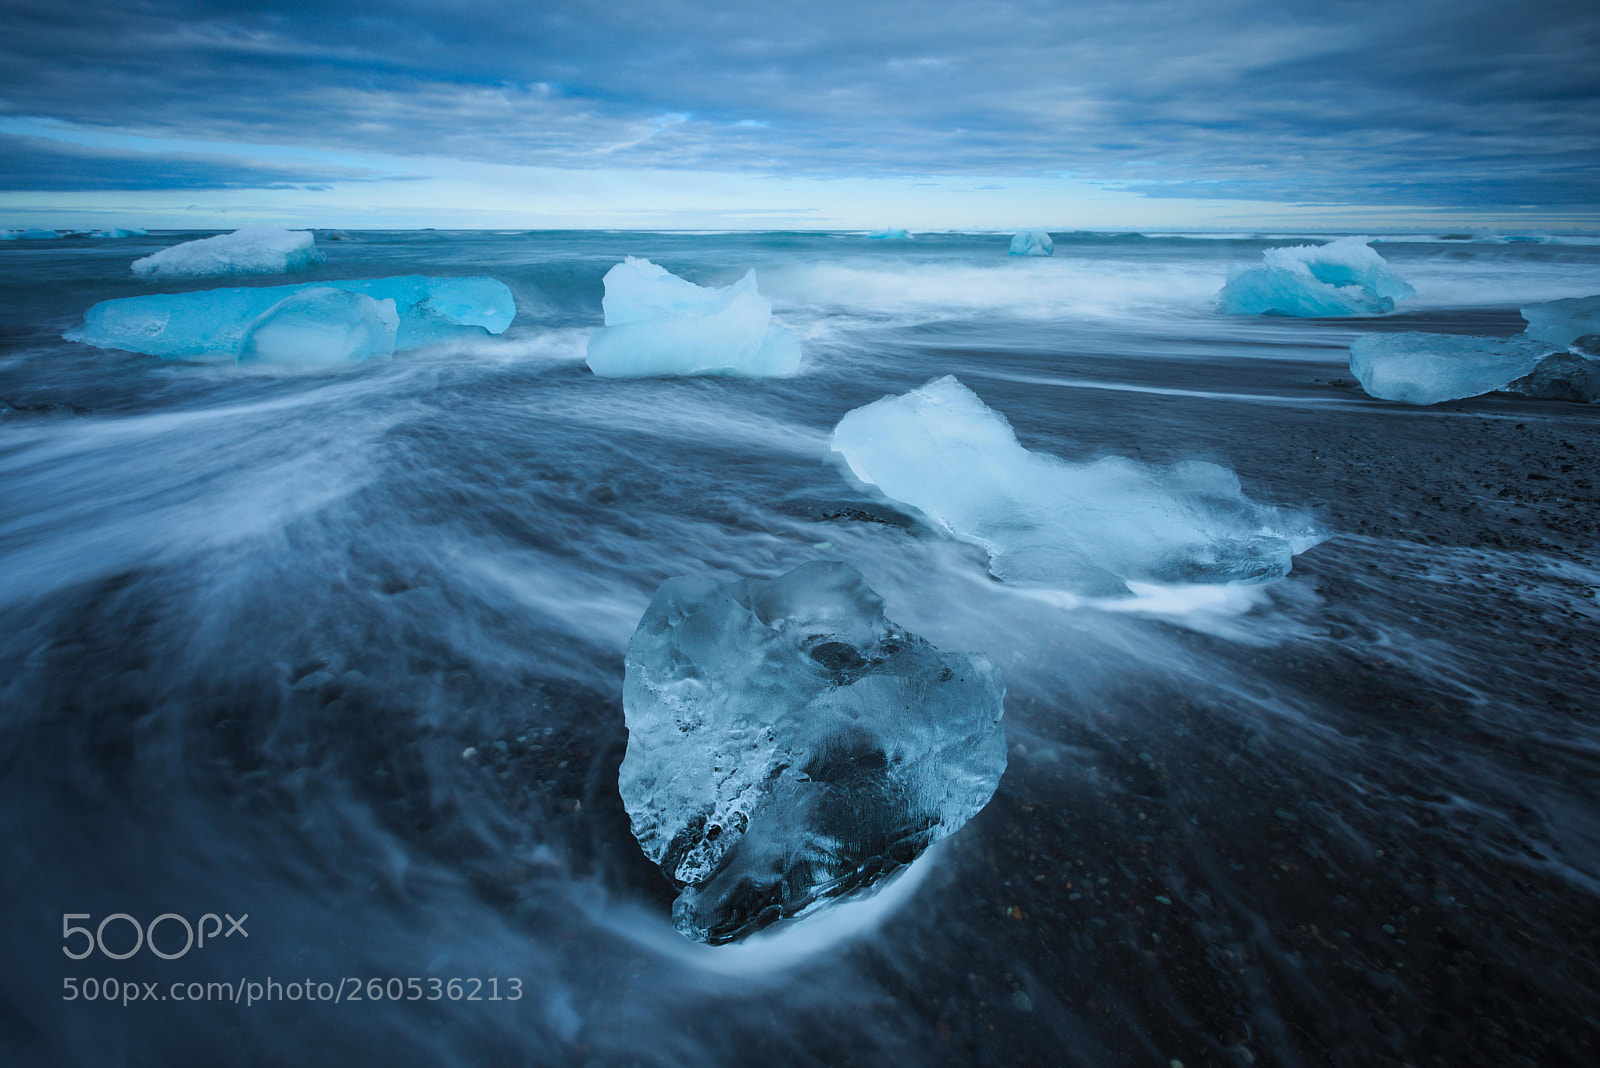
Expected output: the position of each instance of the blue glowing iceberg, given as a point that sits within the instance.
(1342, 278)
(1032, 243)
(660, 324)
(257, 323)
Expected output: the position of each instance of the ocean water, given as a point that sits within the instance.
(252, 622)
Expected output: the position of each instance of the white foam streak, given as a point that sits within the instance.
(770, 953)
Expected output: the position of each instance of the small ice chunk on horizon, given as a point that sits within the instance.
(659, 324)
(252, 250)
(30, 235)
(216, 324)
(1420, 368)
(1090, 528)
(1032, 243)
(1561, 322)
(788, 745)
(890, 235)
(118, 232)
(1342, 278)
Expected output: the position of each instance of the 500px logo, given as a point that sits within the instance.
(146, 935)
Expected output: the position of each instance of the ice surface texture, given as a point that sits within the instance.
(788, 744)
(322, 325)
(1343, 277)
(1420, 368)
(1032, 243)
(1560, 322)
(1086, 527)
(255, 250)
(251, 323)
(660, 324)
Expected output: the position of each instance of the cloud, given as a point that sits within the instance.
(36, 164)
(1472, 102)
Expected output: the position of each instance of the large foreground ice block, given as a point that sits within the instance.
(1032, 243)
(788, 744)
(216, 323)
(253, 250)
(1344, 277)
(1560, 322)
(660, 324)
(1087, 527)
(1420, 368)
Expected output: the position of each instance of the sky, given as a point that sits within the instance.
(805, 114)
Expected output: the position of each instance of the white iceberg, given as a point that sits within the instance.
(1087, 527)
(1342, 278)
(254, 250)
(660, 324)
(788, 744)
(1561, 322)
(322, 325)
(1420, 368)
(1032, 243)
(219, 324)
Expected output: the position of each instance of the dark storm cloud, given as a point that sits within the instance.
(36, 164)
(1472, 104)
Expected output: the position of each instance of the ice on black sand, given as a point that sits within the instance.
(789, 745)
(1086, 527)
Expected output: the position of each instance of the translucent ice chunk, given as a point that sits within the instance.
(1087, 527)
(787, 744)
(1344, 277)
(890, 234)
(214, 323)
(254, 250)
(1420, 368)
(660, 324)
(31, 235)
(1560, 322)
(117, 231)
(322, 325)
(1032, 243)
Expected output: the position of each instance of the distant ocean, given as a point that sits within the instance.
(251, 620)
